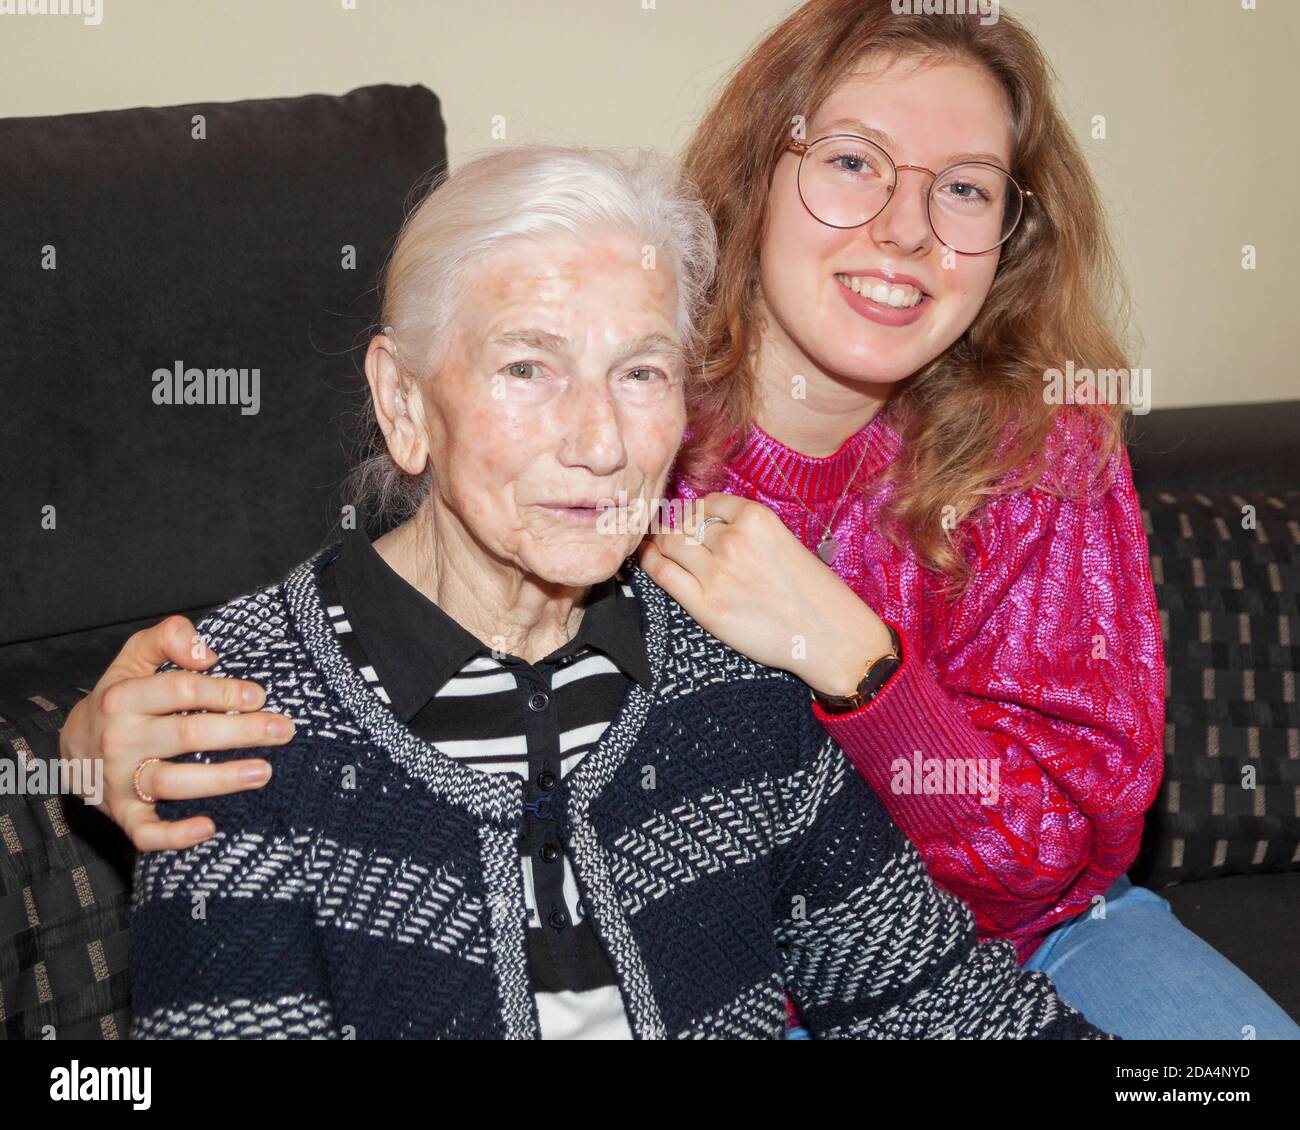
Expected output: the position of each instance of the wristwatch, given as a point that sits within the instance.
(873, 680)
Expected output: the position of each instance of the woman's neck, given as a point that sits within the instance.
(501, 605)
(817, 413)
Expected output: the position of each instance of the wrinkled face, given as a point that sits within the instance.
(932, 116)
(563, 391)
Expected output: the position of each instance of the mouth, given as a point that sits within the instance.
(895, 292)
(582, 511)
(884, 297)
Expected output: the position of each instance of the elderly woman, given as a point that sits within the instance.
(526, 794)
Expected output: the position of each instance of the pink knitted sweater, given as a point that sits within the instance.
(1045, 679)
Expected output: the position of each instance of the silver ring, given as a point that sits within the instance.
(699, 533)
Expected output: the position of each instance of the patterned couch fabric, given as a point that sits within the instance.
(1227, 579)
(64, 892)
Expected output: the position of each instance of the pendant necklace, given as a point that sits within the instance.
(829, 547)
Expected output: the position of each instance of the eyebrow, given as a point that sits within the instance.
(885, 141)
(554, 343)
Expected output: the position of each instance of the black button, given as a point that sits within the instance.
(538, 701)
(550, 853)
(559, 919)
(546, 780)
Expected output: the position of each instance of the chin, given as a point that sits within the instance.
(884, 366)
(576, 566)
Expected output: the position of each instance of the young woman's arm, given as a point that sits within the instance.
(133, 714)
(1053, 670)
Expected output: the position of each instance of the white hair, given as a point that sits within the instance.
(526, 192)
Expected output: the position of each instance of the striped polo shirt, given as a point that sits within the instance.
(500, 714)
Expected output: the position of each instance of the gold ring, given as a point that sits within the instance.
(135, 780)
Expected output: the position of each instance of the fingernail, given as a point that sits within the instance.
(254, 773)
(279, 728)
(203, 831)
(250, 696)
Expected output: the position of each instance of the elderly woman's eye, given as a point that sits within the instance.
(643, 375)
(524, 370)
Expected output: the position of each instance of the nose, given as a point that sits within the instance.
(905, 219)
(593, 437)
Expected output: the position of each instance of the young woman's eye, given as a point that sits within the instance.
(964, 190)
(857, 164)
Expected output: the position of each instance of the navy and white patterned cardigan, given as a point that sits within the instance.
(725, 847)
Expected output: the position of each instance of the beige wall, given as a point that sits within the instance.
(1198, 96)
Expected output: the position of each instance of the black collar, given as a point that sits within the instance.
(418, 647)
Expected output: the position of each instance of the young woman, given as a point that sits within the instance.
(952, 562)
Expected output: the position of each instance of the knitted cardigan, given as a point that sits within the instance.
(725, 849)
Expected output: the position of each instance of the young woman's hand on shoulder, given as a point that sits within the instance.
(751, 583)
(134, 714)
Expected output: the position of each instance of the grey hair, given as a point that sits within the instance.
(525, 192)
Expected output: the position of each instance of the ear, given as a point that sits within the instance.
(399, 407)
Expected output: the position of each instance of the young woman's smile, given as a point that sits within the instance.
(885, 297)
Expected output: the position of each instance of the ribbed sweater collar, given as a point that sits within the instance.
(780, 472)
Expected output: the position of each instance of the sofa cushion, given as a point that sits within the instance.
(244, 237)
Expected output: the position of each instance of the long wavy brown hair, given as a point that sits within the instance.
(1057, 295)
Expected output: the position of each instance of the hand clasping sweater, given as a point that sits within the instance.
(724, 845)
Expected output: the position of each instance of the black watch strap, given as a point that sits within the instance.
(873, 681)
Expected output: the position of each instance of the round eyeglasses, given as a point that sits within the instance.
(845, 181)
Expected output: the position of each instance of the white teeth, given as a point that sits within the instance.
(900, 295)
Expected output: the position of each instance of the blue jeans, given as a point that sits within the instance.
(1141, 974)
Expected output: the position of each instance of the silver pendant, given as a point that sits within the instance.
(827, 548)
